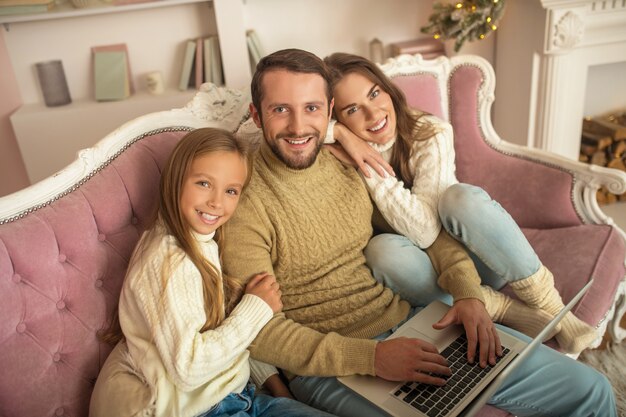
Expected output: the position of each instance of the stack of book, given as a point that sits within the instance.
(112, 74)
(202, 63)
(11, 7)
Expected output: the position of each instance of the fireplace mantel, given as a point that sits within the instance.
(543, 54)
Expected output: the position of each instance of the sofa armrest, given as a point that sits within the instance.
(586, 178)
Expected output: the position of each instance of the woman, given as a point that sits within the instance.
(370, 109)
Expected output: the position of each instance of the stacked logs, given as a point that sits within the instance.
(603, 143)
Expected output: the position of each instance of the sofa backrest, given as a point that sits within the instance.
(63, 259)
(460, 90)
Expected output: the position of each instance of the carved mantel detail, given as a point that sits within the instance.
(569, 31)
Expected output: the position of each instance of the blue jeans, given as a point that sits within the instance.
(249, 404)
(548, 384)
(493, 240)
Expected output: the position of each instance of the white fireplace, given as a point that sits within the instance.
(544, 52)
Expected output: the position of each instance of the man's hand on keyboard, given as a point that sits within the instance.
(407, 359)
(479, 328)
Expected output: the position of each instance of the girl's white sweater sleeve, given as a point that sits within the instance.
(175, 314)
(413, 213)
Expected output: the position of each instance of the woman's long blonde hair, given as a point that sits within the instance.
(409, 126)
(218, 291)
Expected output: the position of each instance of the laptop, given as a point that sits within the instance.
(468, 388)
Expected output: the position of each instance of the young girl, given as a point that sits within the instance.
(419, 148)
(186, 326)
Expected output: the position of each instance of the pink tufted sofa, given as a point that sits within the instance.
(65, 242)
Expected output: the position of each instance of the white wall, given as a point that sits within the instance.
(606, 89)
(326, 26)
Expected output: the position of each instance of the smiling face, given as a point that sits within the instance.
(364, 108)
(294, 115)
(211, 190)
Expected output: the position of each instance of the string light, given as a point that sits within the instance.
(464, 20)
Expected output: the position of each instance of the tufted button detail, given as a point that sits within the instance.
(134, 220)
(99, 283)
(59, 411)
(56, 357)
(21, 328)
(62, 258)
(17, 278)
(60, 305)
(102, 237)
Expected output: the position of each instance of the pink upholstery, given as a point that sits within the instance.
(61, 270)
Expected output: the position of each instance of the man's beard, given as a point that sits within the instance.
(297, 161)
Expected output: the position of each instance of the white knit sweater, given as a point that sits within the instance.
(413, 213)
(161, 319)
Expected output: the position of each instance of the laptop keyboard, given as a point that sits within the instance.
(435, 401)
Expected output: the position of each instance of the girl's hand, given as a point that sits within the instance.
(362, 154)
(266, 288)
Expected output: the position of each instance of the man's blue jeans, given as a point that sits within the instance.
(548, 384)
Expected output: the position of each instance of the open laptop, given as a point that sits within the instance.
(469, 388)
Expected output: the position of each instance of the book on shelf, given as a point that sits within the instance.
(217, 76)
(188, 61)
(120, 47)
(199, 63)
(255, 49)
(202, 62)
(208, 77)
(111, 75)
(25, 8)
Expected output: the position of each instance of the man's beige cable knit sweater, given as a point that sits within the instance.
(309, 228)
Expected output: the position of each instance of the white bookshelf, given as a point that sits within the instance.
(50, 137)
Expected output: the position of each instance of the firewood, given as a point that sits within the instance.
(618, 149)
(617, 163)
(601, 197)
(615, 130)
(599, 158)
(587, 150)
(611, 198)
(596, 140)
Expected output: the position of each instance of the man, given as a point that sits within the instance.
(306, 219)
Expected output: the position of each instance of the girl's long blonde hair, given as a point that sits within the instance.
(409, 124)
(218, 291)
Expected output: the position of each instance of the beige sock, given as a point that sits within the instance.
(538, 292)
(516, 315)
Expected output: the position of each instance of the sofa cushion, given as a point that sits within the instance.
(575, 255)
(61, 271)
(583, 252)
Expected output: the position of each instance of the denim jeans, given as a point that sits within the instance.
(548, 384)
(249, 404)
(493, 240)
